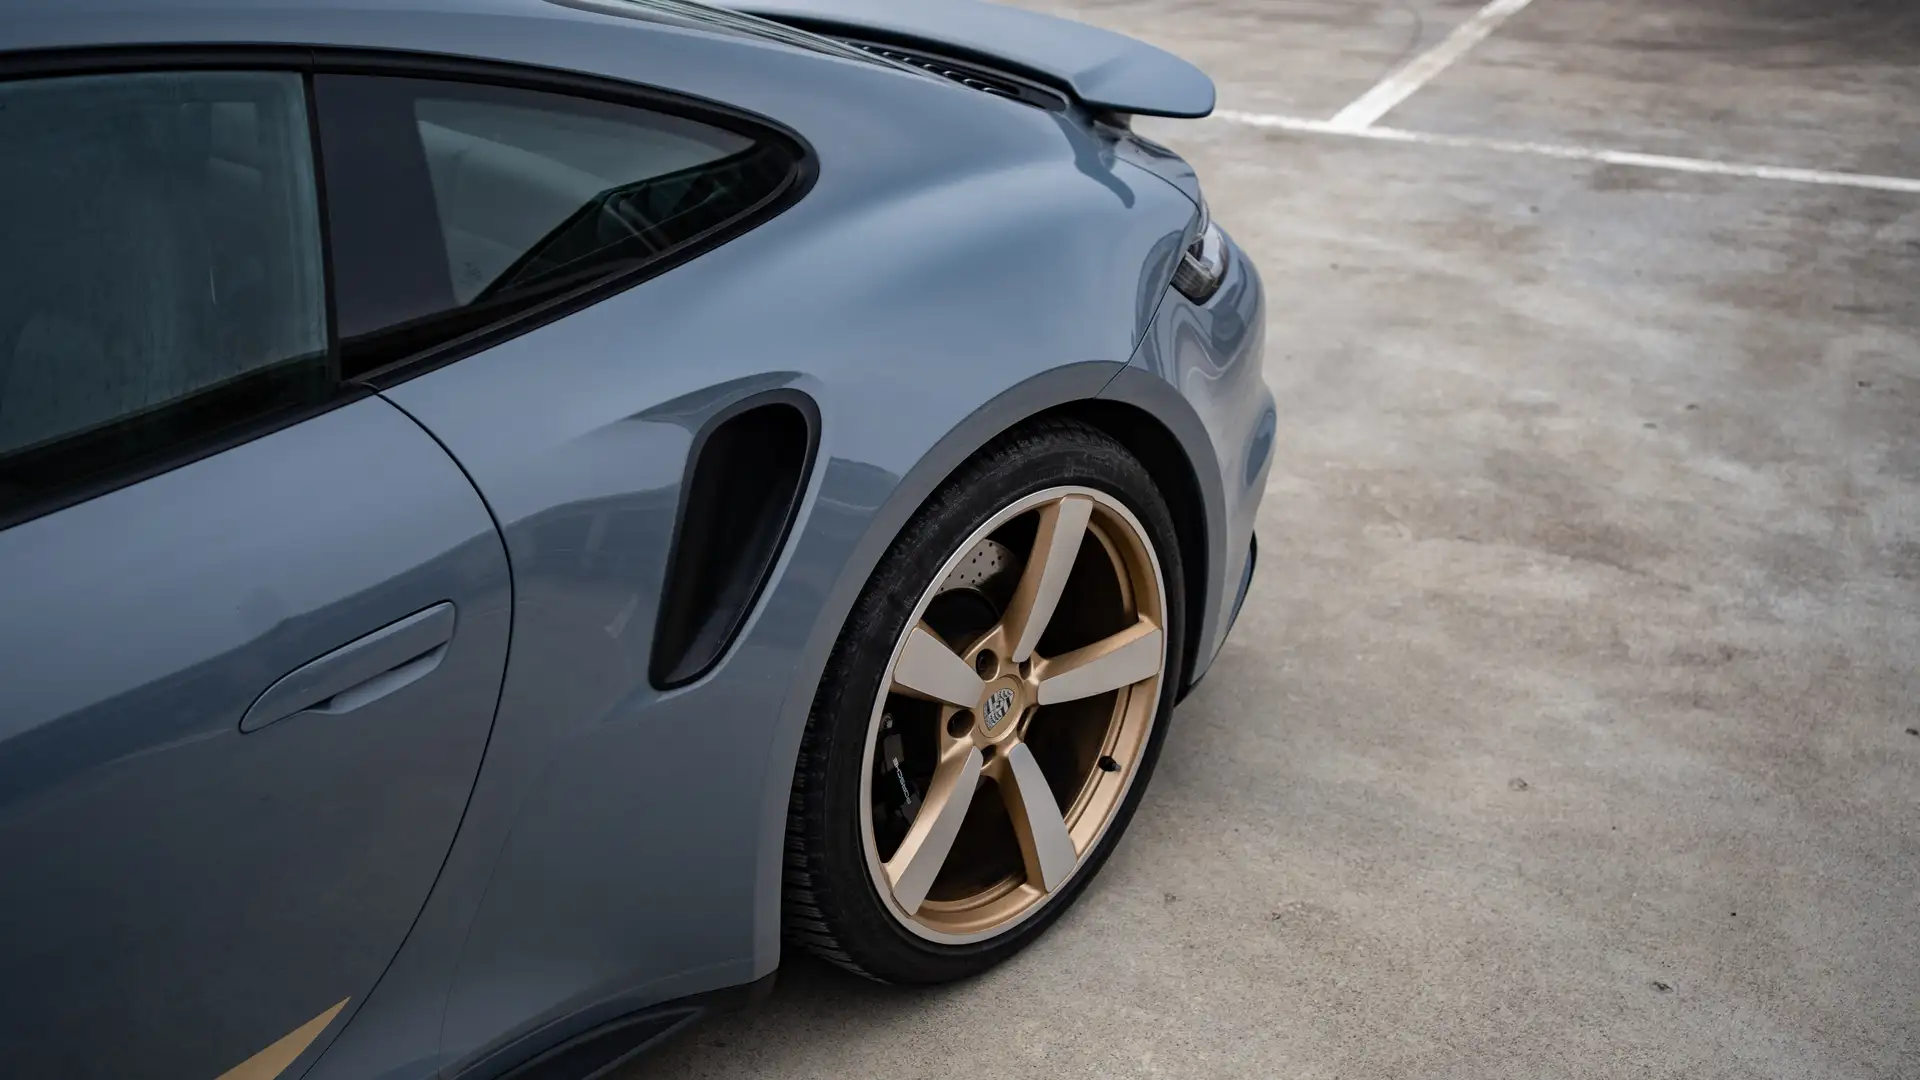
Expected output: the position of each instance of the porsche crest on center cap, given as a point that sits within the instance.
(998, 705)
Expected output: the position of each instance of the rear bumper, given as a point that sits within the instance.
(1218, 352)
(1198, 372)
(1233, 614)
(1246, 582)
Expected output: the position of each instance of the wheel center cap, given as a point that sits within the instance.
(998, 707)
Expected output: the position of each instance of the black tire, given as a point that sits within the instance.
(831, 906)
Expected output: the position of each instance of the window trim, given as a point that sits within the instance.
(317, 60)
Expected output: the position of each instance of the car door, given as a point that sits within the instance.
(253, 623)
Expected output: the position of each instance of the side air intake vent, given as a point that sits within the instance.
(971, 76)
(738, 500)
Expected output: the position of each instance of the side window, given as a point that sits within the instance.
(454, 206)
(163, 278)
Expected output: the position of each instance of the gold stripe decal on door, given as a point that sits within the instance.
(270, 1062)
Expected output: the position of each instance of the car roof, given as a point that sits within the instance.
(41, 24)
(289, 14)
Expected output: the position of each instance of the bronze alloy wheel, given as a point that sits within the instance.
(991, 711)
(1014, 711)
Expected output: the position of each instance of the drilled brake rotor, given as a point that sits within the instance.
(988, 559)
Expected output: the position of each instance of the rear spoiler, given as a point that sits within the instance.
(1104, 71)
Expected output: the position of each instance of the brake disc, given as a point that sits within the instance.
(988, 559)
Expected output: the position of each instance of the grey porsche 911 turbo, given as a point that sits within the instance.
(512, 512)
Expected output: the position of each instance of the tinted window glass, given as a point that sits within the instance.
(455, 206)
(162, 281)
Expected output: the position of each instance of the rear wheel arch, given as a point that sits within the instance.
(1070, 392)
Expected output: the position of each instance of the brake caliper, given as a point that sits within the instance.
(892, 755)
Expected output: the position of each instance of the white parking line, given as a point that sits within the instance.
(1400, 85)
(1579, 153)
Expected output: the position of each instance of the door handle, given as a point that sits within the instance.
(363, 670)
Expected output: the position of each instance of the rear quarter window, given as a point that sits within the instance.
(458, 207)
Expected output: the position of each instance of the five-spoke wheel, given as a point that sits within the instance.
(991, 712)
(1048, 738)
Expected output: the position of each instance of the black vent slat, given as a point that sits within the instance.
(967, 75)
